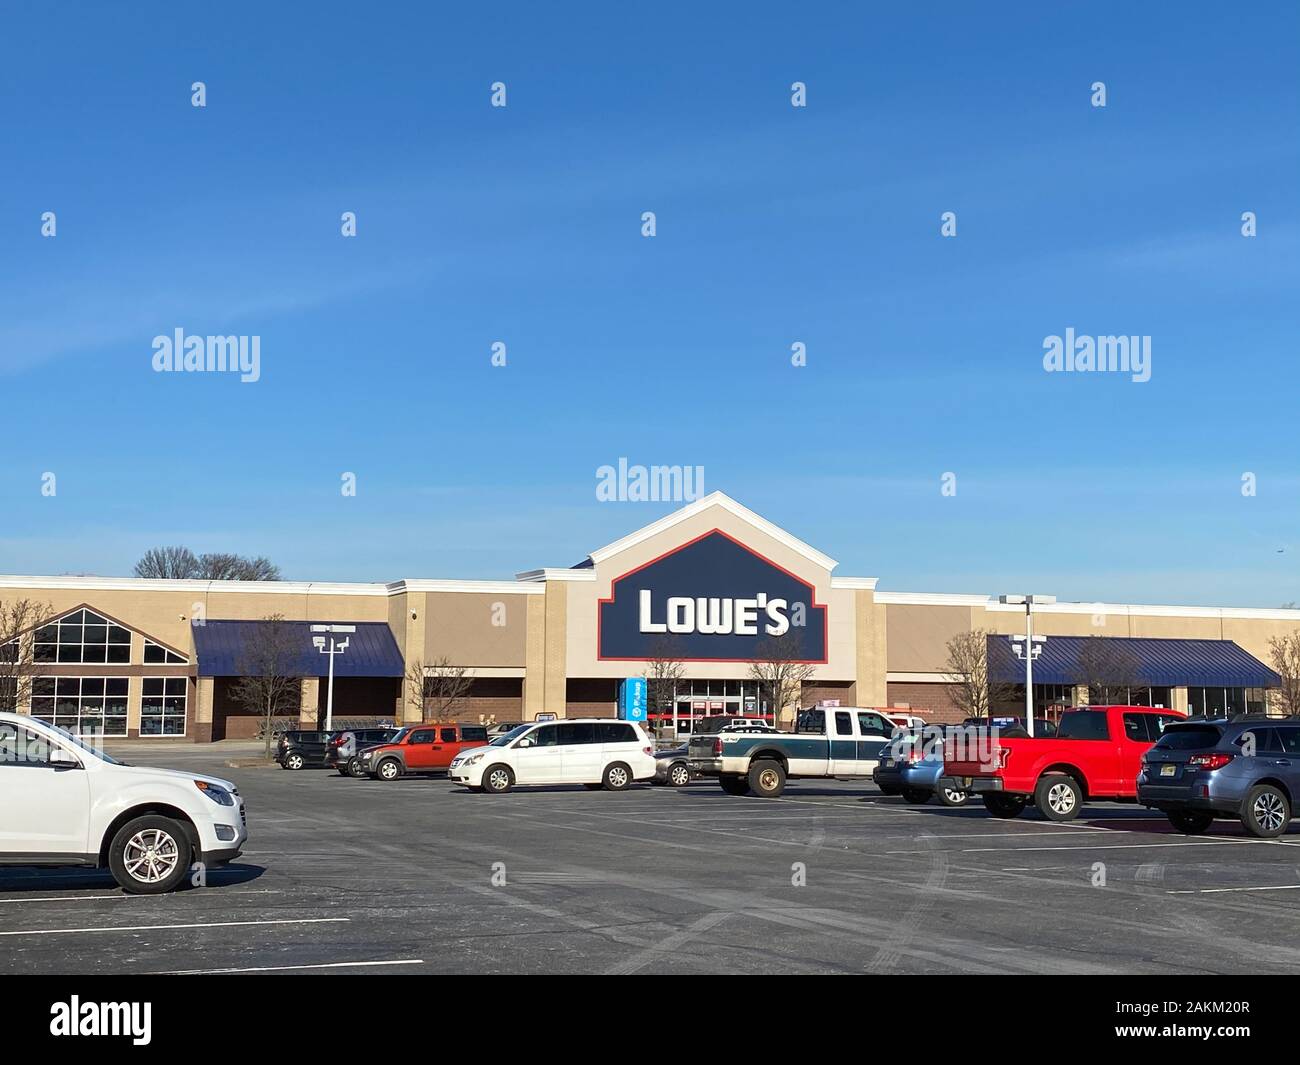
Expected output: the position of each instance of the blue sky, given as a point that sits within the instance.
(775, 225)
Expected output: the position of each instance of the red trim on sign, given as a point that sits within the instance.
(812, 595)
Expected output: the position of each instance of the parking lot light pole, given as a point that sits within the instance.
(332, 650)
(1028, 646)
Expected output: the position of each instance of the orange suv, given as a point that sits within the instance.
(424, 748)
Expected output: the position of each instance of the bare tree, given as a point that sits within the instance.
(18, 617)
(970, 684)
(436, 690)
(1109, 669)
(270, 673)
(780, 668)
(180, 563)
(168, 563)
(663, 673)
(1284, 651)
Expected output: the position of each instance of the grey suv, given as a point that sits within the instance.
(1203, 769)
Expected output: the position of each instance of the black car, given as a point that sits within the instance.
(302, 749)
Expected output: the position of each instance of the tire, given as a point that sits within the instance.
(150, 855)
(917, 796)
(766, 779)
(950, 796)
(1005, 806)
(734, 785)
(679, 775)
(1190, 822)
(388, 769)
(294, 761)
(357, 769)
(617, 777)
(1058, 797)
(1266, 813)
(497, 779)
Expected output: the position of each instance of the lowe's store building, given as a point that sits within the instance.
(712, 585)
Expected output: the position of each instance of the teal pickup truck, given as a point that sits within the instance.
(828, 742)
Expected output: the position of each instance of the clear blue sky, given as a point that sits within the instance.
(775, 225)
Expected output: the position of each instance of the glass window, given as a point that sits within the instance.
(1083, 725)
(82, 636)
(615, 732)
(449, 735)
(474, 733)
(162, 704)
(424, 735)
(813, 721)
(1290, 738)
(1266, 740)
(576, 732)
(1190, 738)
(1135, 728)
(843, 723)
(156, 654)
(91, 706)
(22, 747)
(543, 736)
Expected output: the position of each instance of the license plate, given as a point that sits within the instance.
(1168, 770)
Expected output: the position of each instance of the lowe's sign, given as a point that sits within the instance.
(711, 600)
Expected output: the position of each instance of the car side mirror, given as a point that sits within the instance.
(61, 759)
(525, 742)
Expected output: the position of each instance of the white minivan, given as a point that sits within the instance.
(598, 752)
(63, 803)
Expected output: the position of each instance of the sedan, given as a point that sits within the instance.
(672, 768)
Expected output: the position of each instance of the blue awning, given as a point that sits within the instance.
(222, 648)
(1158, 662)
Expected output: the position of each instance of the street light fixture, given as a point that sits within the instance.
(333, 649)
(1028, 647)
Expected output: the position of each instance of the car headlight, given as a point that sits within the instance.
(215, 792)
(367, 755)
(474, 758)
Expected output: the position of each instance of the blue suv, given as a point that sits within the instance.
(1203, 769)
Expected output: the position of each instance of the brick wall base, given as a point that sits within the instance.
(928, 701)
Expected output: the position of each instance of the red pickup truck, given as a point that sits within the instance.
(1095, 754)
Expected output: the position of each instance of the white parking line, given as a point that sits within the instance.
(1220, 890)
(287, 968)
(1122, 846)
(165, 927)
(225, 894)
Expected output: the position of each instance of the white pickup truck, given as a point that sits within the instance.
(63, 803)
(842, 742)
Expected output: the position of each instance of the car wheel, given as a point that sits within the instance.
(498, 779)
(766, 779)
(388, 769)
(950, 796)
(293, 761)
(357, 770)
(618, 777)
(679, 775)
(1058, 797)
(734, 785)
(150, 855)
(1193, 823)
(1006, 806)
(1266, 812)
(919, 796)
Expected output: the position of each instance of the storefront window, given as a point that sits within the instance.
(162, 706)
(85, 706)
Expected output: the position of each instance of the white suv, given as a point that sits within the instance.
(598, 752)
(65, 804)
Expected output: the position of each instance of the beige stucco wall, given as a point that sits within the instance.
(919, 635)
(462, 627)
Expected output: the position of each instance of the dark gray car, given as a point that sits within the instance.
(1203, 769)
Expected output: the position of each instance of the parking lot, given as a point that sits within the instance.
(421, 876)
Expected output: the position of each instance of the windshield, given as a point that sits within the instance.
(77, 741)
(509, 737)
